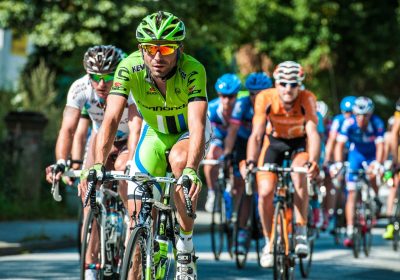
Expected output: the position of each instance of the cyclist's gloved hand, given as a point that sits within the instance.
(196, 182)
(57, 168)
(128, 167)
(335, 168)
(100, 172)
(313, 170)
(376, 167)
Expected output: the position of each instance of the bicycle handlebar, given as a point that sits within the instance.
(277, 169)
(143, 178)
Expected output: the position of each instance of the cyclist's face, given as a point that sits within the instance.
(160, 65)
(287, 91)
(362, 120)
(227, 101)
(102, 88)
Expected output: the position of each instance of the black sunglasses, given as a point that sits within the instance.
(227, 96)
(292, 85)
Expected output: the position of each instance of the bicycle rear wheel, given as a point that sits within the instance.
(218, 224)
(134, 263)
(91, 241)
(305, 263)
(241, 257)
(281, 265)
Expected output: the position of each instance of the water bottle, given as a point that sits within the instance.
(228, 204)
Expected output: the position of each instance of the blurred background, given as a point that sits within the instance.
(346, 47)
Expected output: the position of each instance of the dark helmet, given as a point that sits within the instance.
(102, 59)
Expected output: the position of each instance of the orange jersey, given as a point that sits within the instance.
(281, 123)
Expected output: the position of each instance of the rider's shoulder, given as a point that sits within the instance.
(188, 65)
(134, 62)
(81, 85)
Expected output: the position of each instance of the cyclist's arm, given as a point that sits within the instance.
(314, 141)
(78, 145)
(379, 152)
(197, 113)
(339, 147)
(66, 135)
(330, 144)
(135, 124)
(258, 130)
(106, 134)
(230, 138)
(395, 140)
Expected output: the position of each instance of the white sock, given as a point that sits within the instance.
(210, 192)
(350, 229)
(266, 241)
(185, 241)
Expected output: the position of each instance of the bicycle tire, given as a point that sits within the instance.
(396, 223)
(218, 223)
(257, 229)
(87, 234)
(137, 243)
(242, 258)
(305, 263)
(357, 226)
(281, 266)
(79, 231)
(367, 231)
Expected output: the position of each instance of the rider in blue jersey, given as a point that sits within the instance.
(219, 113)
(235, 145)
(364, 131)
(346, 107)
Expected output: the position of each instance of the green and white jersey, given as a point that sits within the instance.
(166, 114)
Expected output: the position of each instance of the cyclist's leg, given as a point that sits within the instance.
(211, 171)
(355, 163)
(239, 153)
(119, 165)
(92, 250)
(301, 202)
(266, 182)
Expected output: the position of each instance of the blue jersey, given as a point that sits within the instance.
(243, 115)
(363, 141)
(337, 123)
(218, 123)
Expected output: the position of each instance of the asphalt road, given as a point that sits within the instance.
(329, 262)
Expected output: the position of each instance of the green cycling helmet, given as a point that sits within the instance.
(160, 26)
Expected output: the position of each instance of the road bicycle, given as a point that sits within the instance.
(222, 216)
(148, 252)
(339, 230)
(248, 207)
(364, 212)
(103, 231)
(283, 228)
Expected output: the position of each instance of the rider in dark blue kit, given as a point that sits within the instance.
(364, 131)
(220, 113)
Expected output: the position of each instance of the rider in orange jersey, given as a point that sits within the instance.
(288, 117)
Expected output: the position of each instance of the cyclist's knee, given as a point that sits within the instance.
(178, 160)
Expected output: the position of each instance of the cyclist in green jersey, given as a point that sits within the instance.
(169, 89)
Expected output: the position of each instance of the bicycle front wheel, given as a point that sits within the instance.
(357, 225)
(134, 262)
(90, 248)
(396, 223)
(241, 253)
(305, 263)
(218, 224)
(279, 246)
(367, 229)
